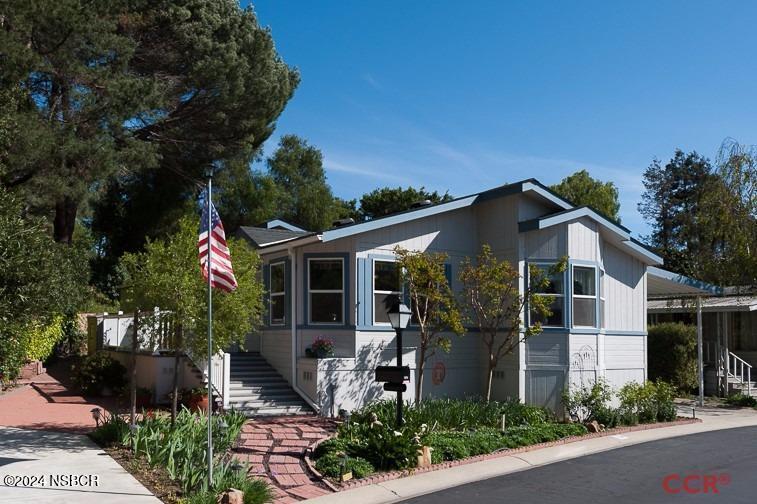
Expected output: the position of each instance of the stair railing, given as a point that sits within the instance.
(736, 369)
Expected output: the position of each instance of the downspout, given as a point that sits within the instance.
(293, 322)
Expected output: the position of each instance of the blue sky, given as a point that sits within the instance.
(464, 96)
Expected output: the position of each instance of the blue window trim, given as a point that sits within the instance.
(287, 291)
(345, 257)
(371, 289)
(566, 303)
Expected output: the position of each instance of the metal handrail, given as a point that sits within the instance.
(737, 370)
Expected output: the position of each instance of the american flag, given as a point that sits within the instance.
(222, 276)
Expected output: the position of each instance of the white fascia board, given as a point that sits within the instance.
(335, 234)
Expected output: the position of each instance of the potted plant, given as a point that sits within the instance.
(144, 397)
(323, 347)
(196, 399)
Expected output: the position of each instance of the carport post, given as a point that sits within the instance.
(700, 362)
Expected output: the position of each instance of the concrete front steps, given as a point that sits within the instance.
(257, 389)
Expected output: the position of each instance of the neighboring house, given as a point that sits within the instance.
(729, 334)
(332, 284)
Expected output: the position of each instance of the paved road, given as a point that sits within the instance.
(630, 475)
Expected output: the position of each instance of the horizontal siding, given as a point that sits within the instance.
(624, 352)
(547, 349)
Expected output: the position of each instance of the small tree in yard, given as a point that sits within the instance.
(167, 275)
(496, 305)
(432, 303)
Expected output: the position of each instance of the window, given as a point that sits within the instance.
(555, 290)
(386, 282)
(584, 296)
(601, 299)
(277, 296)
(326, 291)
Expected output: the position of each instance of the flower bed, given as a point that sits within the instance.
(180, 451)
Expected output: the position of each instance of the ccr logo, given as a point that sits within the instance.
(694, 483)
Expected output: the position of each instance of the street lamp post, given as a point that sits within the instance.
(399, 318)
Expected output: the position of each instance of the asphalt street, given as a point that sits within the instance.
(716, 467)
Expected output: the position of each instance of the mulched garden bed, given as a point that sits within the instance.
(392, 475)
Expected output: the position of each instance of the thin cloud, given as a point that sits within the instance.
(372, 81)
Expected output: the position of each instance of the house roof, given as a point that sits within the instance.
(565, 211)
(261, 237)
(530, 185)
(282, 224)
(663, 283)
(709, 304)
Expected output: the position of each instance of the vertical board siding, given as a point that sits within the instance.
(626, 291)
(583, 240)
(544, 388)
(547, 243)
(277, 350)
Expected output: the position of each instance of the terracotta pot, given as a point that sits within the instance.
(198, 403)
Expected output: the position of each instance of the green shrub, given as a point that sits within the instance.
(40, 339)
(455, 414)
(381, 445)
(112, 430)
(529, 435)
(332, 445)
(647, 403)
(672, 354)
(589, 403)
(93, 373)
(333, 465)
(741, 400)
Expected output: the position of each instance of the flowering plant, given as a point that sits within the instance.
(323, 347)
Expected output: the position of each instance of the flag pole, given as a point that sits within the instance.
(210, 330)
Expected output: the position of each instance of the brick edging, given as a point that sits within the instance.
(392, 475)
(311, 466)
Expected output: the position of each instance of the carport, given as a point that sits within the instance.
(666, 287)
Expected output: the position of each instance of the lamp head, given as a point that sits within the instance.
(399, 314)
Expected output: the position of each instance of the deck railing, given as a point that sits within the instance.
(740, 370)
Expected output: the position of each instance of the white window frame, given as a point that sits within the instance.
(574, 296)
(544, 267)
(273, 293)
(374, 291)
(325, 291)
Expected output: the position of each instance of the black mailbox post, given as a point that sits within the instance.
(395, 376)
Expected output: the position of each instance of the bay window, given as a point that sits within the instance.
(326, 291)
(584, 296)
(554, 291)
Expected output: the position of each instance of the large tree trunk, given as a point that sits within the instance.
(65, 220)
(419, 377)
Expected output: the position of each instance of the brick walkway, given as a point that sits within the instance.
(45, 402)
(275, 448)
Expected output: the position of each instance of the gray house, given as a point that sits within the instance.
(332, 284)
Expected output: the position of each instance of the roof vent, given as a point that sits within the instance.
(343, 222)
(421, 203)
